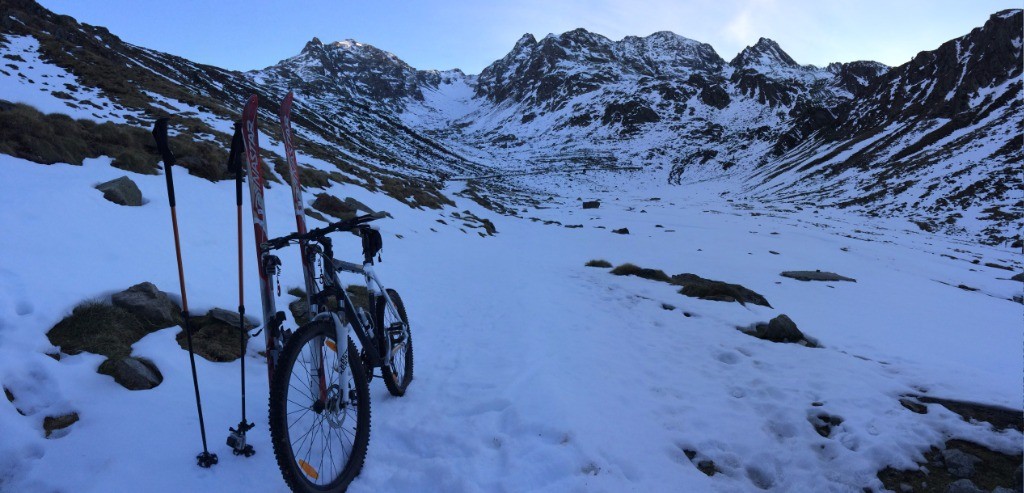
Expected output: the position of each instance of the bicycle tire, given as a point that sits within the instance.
(292, 409)
(398, 371)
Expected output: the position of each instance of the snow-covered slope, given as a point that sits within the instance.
(534, 373)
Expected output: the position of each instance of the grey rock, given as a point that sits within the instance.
(960, 463)
(1000, 489)
(132, 373)
(593, 204)
(963, 486)
(122, 191)
(815, 275)
(621, 231)
(1018, 277)
(149, 304)
(231, 318)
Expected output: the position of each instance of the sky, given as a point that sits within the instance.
(469, 35)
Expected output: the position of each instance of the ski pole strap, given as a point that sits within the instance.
(160, 135)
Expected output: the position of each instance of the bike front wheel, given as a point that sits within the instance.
(319, 412)
(397, 371)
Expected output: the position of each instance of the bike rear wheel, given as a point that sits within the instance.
(319, 425)
(394, 323)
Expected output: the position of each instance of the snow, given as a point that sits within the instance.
(533, 372)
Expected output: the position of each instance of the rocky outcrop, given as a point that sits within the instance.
(815, 275)
(708, 289)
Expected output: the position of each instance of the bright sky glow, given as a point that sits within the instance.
(470, 35)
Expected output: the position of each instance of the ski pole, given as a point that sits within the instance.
(236, 439)
(205, 459)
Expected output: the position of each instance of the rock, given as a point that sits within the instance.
(300, 311)
(707, 467)
(697, 287)
(149, 304)
(914, 406)
(960, 463)
(780, 329)
(593, 204)
(55, 423)
(132, 373)
(621, 231)
(122, 191)
(999, 417)
(1018, 277)
(816, 275)
(213, 339)
(98, 328)
(231, 318)
(963, 486)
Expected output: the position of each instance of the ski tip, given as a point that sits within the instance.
(286, 105)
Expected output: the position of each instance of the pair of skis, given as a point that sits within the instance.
(267, 263)
(246, 138)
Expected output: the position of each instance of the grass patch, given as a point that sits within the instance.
(55, 138)
(599, 263)
(633, 270)
(333, 206)
(98, 328)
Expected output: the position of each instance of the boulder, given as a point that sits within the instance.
(698, 287)
(815, 275)
(122, 191)
(1018, 277)
(621, 231)
(592, 204)
(132, 373)
(779, 329)
(149, 304)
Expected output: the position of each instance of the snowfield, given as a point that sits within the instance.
(533, 372)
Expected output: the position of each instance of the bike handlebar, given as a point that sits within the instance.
(317, 233)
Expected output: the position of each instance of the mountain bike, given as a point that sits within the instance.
(319, 392)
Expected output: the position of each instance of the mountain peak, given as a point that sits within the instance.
(526, 40)
(766, 53)
(313, 44)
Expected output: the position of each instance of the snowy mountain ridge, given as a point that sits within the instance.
(673, 108)
(934, 141)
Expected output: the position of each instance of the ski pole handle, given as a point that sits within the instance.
(160, 135)
(235, 161)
